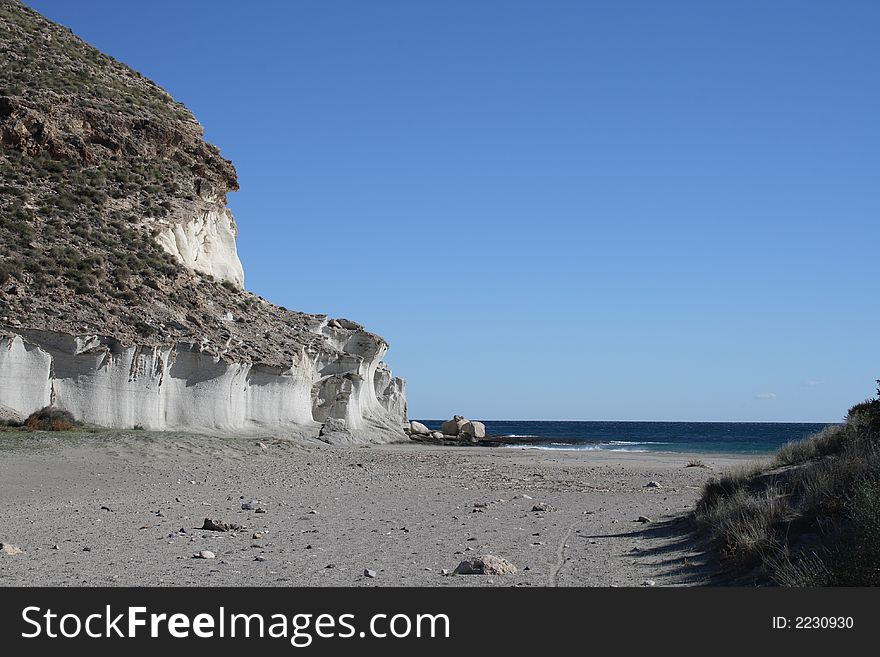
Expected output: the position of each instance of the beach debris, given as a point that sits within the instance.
(204, 554)
(56, 547)
(10, 549)
(522, 496)
(649, 582)
(643, 519)
(213, 525)
(312, 512)
(263, 445)
(487, 564)
(543, 507)
(259, 509)
(653, 484)
(444, 572)
(370, 573)
(257, 535)
(250, 506)
(481, 505)
(259, 557)
(106, 508)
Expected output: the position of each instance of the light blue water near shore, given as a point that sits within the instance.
(686, 437)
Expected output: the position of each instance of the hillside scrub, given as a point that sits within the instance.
(809, 517)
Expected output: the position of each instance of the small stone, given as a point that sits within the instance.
(250, 506)
(263, 445)
(543, 507)
(649, 582)
(653, 484)
(444, 572)
(485, 565)
(370, 573)
(259, 557)
(643, 519)
(204, 554)
(10, 549)
(106, 508)
(313, 512)
(257, 535)
(56, 547)
(259, 509)
(213, 525)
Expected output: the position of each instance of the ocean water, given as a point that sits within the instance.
(685, 437)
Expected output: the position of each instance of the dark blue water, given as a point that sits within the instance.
(697, 437)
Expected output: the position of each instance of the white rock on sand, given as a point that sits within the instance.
(487, 564)
(419, 428)
(453, 426)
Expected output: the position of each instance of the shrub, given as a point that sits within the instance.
(812, 517)
(50, 418)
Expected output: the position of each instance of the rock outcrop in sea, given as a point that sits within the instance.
(122, 296)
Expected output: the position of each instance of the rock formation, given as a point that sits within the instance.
(121, 292)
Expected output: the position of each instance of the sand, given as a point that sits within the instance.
(126, 508)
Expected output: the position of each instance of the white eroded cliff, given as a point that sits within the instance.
(205, 243)
(336, 393)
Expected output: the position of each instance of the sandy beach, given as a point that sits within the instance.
(126, 508)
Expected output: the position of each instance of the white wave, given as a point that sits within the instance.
(635, 442)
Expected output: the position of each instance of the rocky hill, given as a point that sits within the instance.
(121, 293)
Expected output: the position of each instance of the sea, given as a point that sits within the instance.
(683, 437)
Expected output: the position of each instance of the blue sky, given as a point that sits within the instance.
(551, 210)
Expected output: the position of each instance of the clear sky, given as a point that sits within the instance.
(551, 210)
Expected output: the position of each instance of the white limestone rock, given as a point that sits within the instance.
(180, 387)
(205, 243)
(419, 429)
(453, 426)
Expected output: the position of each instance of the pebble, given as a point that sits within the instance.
(649, 582)
(653, 484)
(370, 573)
(643, 519)
(204, 554)
(10, 549)
(259, 557)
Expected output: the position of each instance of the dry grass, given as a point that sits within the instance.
(810, 518)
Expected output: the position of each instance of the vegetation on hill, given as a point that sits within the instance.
(96, 160)
(811, 517)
